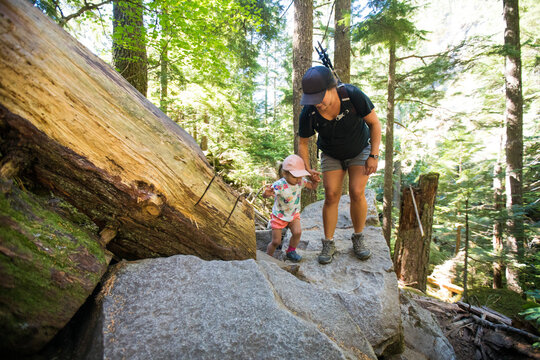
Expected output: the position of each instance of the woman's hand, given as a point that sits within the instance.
(315, 176)
(371, 165)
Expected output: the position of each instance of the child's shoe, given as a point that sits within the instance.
(293, 256)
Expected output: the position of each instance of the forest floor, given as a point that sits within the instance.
(472, 340)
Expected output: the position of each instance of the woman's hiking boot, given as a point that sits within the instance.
(359, 247)
(293, 256)
(328, 250)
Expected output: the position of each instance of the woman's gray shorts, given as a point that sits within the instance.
(328, 163)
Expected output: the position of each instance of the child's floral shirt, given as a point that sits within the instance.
(287, 199)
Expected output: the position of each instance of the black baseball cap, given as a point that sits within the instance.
(314, 84)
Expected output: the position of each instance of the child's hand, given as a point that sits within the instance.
(268, 191)
(315, 176)
(313, 184)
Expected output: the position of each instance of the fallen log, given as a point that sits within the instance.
(449, 286)
(98, 143)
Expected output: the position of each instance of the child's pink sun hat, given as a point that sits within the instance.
(295, 165)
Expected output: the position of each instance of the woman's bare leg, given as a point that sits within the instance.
(357, 189)
(333, 183)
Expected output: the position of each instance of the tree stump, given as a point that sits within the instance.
(411, 251)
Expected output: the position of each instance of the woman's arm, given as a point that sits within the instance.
(303, 152)
(374, 125)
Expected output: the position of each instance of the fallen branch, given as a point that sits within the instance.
(490, 314)
(514, 330)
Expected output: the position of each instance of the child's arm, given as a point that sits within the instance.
(268, 191)
(313, 184)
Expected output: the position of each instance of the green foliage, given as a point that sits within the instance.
(532, 314)
(388, 23)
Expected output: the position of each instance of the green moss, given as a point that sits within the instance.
(42, 278)
(505, 301)
(55, 232)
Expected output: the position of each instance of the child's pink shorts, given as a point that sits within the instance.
(277, 223)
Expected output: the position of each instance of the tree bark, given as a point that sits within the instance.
(514, 140)
(396, 197)
(389, 147)
(102, 146)
(302, 60)
(164, 79)
(342, 40)
(129, 44)
(411, 253)
(204, 137)
(458, 239)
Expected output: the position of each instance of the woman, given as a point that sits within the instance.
(349, 135)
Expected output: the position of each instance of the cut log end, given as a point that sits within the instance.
(151, 204)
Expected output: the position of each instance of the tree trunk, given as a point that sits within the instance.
(342, 52)
(514, 141)
(389, 147)
(498, 241)
(164, 60)
(164, 79)
(411, 253)
(458, 239)
(302, 59)
(466, 263)
(129, 44)
(342, 40)
(102, 146)
(397, 185)
(204, 137)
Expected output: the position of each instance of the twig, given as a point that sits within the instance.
(86, 7)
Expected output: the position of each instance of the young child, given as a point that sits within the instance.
(286, 209)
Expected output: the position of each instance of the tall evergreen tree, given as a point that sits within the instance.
(514, 139)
